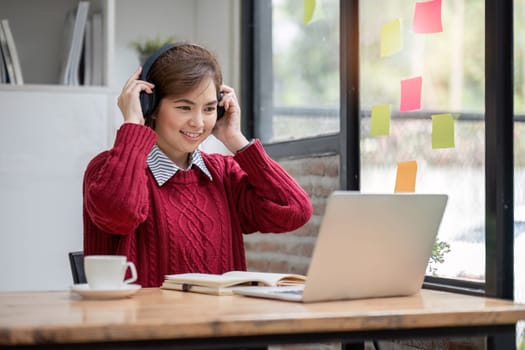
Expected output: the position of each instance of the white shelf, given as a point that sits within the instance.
(55, 88)
(38, 31)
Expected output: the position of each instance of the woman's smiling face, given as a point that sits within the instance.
(183, 122)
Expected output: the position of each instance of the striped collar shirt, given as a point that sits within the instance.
(163, 168)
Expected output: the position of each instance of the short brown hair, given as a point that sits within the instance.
(182, 68)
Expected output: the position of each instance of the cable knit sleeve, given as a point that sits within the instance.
(115, 182)
(268, 199)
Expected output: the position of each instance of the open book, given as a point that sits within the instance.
(223, 284)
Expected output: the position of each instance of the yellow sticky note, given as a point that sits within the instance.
(391, 38)
(442, 131)
(309, 9)
(406, 176)
(380, 120)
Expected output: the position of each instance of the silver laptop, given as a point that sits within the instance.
(369, 245)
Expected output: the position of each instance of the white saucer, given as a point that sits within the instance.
(84, 290)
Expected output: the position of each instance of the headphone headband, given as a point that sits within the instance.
(153, 57)
(149, 102)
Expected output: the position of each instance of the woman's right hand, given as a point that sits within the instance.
(129, 98)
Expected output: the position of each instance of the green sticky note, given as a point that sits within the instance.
(380, 120)
(391, 38)
(442, 131)
(309, 9)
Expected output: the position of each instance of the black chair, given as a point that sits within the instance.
(360, 346)
(76, 261)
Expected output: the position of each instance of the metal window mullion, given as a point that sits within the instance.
(499, 154)
(247, 24)
(499, 149)
(349, 168)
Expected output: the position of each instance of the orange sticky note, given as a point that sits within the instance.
(427, 17)
(411, 94)
(309, 9)
(390, 38)
(406, 176)
(380, 120)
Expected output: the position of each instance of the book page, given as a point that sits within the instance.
(270, 278)
(204, 279)
(233, 278)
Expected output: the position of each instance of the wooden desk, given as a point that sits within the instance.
(168, 318)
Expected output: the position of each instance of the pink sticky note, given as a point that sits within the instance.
(427, 17)
(411, 94)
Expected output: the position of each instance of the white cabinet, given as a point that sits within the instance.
(49, 132)
(46, 140)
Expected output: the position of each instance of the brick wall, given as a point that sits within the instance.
(291, 252)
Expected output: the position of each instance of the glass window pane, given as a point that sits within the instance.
(305, 64)
(450, 64)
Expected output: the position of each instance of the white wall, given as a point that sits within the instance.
(49, 134)
(46, 140)
(211, 23)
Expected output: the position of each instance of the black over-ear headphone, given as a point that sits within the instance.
(149, 102)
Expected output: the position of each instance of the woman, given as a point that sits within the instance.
(166, 205)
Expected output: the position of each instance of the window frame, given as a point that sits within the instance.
(499, 148)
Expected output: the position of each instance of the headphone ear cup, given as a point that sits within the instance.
(220, 109)
(148, 103)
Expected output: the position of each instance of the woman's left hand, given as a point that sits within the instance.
(228, 128)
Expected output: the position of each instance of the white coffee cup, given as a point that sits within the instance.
(108, 271)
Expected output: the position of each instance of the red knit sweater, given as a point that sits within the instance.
(191, 223)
